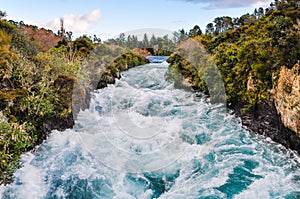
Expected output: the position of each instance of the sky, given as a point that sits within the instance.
(109, 18)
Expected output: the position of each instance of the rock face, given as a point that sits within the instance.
(279, 116)
(264, 120)
(276, 116)
(143, 52)
(64, 117)
(287, 97)
(122, 63)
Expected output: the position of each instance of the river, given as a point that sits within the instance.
(142, 138)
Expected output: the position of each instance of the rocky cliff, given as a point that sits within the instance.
(287, 97)
(275, 115)
(249, 59)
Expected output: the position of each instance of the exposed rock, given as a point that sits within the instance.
(279, 116)
(122, 63)
(143, 52)
(276, 116)
(252, 83)
(264, 120)
(184, 84)
(46, 39)
(81, 98)
(287, 97)
(63, 118)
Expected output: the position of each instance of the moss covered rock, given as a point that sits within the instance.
(124, 62)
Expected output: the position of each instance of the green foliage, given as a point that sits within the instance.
(249, 52)
(196, 31)
(159, 45)
(60, 61)
(22, 44)
(83, 45)
(6, 56)
(128, 60)
(35, 87)
(7, 27)
(14, 139)
(248, 56)
(196, 68)
(180, 69)
(124, 62)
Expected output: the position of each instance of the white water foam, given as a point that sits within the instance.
(141, 138)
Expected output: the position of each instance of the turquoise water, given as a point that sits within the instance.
(141, 138)
(157, 59)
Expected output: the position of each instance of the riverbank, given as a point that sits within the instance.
(263, 118)
(37, 86)
(144, 138)
(259, 67)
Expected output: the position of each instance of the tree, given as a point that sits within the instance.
(83, 45)
(218, 25)
(183, 35)
(2, 14)
(272, 5)
(153, 40)
(246, 19)
(96, 40)
(69, 35)
(145, 40)
(223, 24)
(235, 22)
(196, 31)
(179, 36)
(135, 42)
(210, 28)
(13, 22)
(255, 13)
(260, 12)
(121, 41)
(62, 32)
(227, 23)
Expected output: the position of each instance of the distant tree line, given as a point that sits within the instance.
(224, 23)
(249, 51)
(132, 42)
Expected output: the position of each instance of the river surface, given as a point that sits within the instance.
(141, 138)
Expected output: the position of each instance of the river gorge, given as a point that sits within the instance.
(143, 138)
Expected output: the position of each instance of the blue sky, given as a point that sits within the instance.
(108, 18)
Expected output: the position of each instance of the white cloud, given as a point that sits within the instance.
(262, 3)
(219, 4)
(78, 24)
